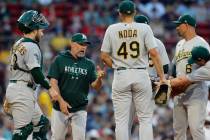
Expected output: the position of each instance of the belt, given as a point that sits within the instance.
(29, 84)
(124, 68)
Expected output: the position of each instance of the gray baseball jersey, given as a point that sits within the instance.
(27, 55)
(201, 74)
(128, 44)
(163, 57)
(182, 54)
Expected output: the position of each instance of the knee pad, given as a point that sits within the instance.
(23, 132)
(41, 129)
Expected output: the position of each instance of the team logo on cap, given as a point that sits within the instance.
(84, 37)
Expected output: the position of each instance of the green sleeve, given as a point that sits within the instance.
(39, 77)
(54, 70)
(93, 73)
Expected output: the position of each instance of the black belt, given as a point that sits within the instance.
(124, 68)
(29, 84)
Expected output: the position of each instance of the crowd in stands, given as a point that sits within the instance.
(92, 17)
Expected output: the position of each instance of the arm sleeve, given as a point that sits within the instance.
(106, 45)
(32, 56)
(39, 77)
(54, 69)
(201, 74)
(93, 73)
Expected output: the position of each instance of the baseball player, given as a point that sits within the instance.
(25, 71)
(163, 56)
(125, 48)
(201, 56)
(161, 50)
(189, 108)
(71, 74)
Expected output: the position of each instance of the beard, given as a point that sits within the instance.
(179, 34)
(37, 38)
(81, 54)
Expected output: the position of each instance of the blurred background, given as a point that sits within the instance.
(92, 17)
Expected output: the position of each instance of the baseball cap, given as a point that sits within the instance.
(80, 38)
(188, 19)
(199, 53)
(141, 19)
(127, 7)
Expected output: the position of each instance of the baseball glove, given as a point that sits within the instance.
(6, 107)
(162, 94)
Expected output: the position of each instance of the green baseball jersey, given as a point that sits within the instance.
(74, 78)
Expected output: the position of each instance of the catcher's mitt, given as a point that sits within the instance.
(162, 94)
(6, 107)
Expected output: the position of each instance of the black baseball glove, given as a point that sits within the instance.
(162, 93)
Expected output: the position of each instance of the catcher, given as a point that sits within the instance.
(25, 71)
(177, 86)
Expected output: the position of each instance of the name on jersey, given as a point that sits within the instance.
(75, 70)
(20, 48)
(127, 33)
(183, 55)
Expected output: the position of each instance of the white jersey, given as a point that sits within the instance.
(182, 54)
(207, 127)
(163, 57)
(128, 44)
(26, 55)
(201, 74)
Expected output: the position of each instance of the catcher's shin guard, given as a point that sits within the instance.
(41, 129)
(23, 132)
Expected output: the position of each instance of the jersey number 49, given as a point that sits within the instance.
(133, 48)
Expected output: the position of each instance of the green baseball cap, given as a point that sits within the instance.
(199, 53)
(141, 19)
(127, 7)
(80, 38)
(188, 19)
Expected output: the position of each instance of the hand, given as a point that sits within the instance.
(100, 72)
(53, 94)
(170, 77)
(64, 106)
(163, 81)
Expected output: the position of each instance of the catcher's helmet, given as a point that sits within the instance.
(32, 20)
